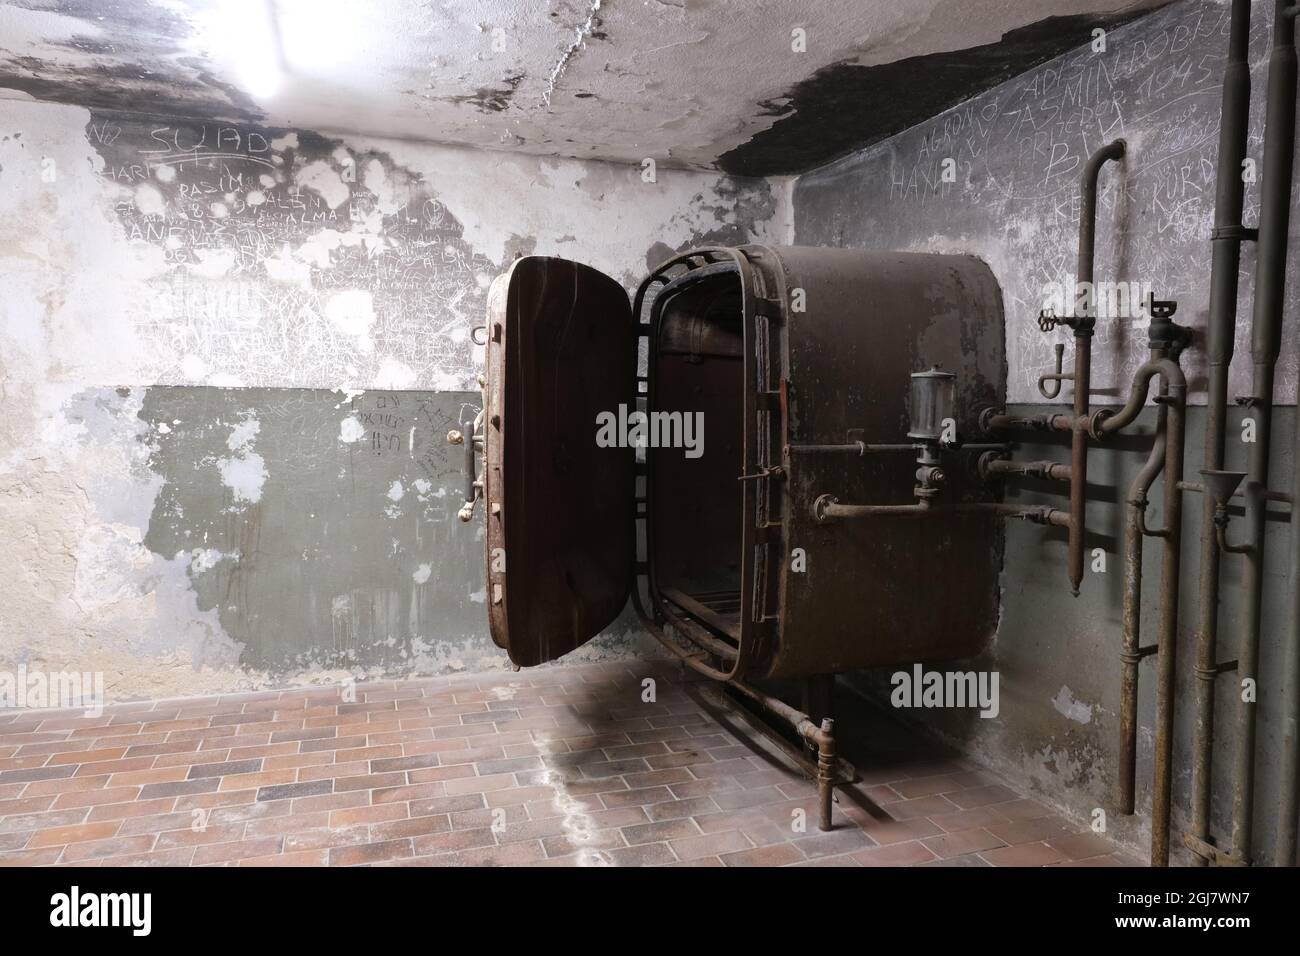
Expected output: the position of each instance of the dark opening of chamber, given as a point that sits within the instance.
(698, 369)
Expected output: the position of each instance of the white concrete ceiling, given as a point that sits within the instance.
(685, 81)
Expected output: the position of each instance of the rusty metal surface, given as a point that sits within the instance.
(558, 507)
(712, 536)
(887, 591)
(834, 375)
(718, 531)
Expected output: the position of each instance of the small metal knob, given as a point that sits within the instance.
(454, 437)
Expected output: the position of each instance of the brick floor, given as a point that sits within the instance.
(558, 766)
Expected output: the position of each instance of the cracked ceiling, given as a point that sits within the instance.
(705, 83)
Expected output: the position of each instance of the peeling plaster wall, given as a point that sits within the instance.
(199, 324)
(1019, 149)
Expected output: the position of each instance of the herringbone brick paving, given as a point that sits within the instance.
(557, 766)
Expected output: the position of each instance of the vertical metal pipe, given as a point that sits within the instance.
(1167, 656)
(1226, 261)
(1173, 397)
(1289, 778)
(1270, 285)
(1082, 380)
(1284, 853)
(1130, 652)
(1079, 460)
(825, 774)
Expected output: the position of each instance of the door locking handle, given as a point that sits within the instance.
(473, 442)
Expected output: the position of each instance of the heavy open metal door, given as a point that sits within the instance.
(560, 351)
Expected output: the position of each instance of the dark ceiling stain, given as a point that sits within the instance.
(846, 107)
(132, 61)
(491, 99)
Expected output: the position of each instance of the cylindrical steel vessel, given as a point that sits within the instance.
(676, 449)
(831, 339)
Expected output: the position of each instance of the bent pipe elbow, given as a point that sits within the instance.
(1115, 149)
(1104, 424)
(1088, 228)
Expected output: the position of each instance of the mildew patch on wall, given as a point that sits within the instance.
(84, 591)
(350, 556)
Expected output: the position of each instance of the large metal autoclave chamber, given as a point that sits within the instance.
(798, 359)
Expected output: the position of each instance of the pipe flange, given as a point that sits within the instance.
(1095, 421)
(820, 505)
(984, 465)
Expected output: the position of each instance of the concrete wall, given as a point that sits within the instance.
(1015, 203)
(229, 356)
(1018, 151)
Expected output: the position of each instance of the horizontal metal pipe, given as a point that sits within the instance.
(826, 510)
(1047, 421)
(820, 736)
(847, 448)
(862, 448)
(1049, 470)
(1196, 487)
